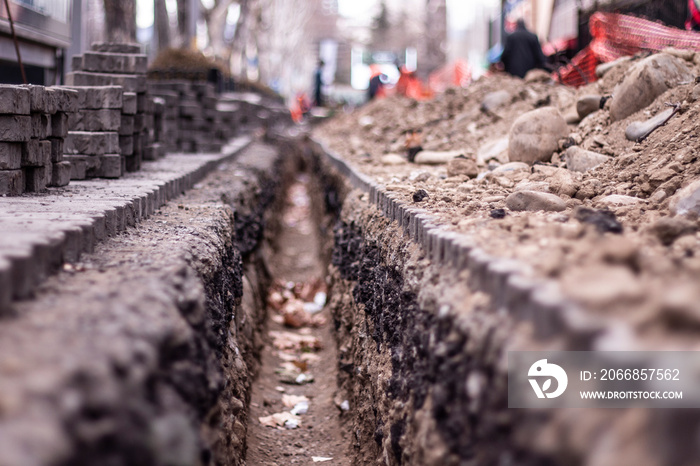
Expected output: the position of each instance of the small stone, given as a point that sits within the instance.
(534, 201)
(619, 200)
(420, 195)
(393, 159)
(668, 229)
(526, 185)
(587, 104)
(604, 220)
(436, 158)
(462, 166)
(535, 135)
(581, 160)
(511, 167)
(687, 200)
(497, 213)
(494, 100)
(561, 181)
(495, 149)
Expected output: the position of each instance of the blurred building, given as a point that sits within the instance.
(43, 30)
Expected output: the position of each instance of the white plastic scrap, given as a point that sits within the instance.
(300, 408)
(321, 459)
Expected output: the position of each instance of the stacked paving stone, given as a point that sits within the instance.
(33, 124)
(92, 144)
(167, 134)
(191, 119)
(122, 65)
(156, 149)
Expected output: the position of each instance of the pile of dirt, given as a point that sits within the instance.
(601, 217)
(183, 63)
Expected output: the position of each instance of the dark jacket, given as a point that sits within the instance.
(522, 52)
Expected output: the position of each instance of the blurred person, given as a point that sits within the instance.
(318, 84)
(522, 51)
(693, 23)
(376, 83)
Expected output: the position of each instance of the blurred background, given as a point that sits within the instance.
(278, 43)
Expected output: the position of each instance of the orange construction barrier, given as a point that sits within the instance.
(457, 73)
(614, 36)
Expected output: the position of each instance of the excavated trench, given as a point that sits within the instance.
(271, 315)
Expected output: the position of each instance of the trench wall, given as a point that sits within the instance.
(143, 353)
(424, 321)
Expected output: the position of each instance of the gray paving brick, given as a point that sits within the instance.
(41, 125)
(35, 179)
(60, 174)
(11, 182)
(127, 125)
(14, 100)
(78, 168)
(130, 83)
(56, 149)
(108, 62)
(126, 143)
(116, 48)
(15, 128)
(130, 103)
(36, 153)
(110, 166)
(97, 97)
(95, 120)
(87, 143)
(59, 125)
(10, 155)
(66, 99)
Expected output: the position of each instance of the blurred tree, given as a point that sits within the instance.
(120, 21)
(162, 24)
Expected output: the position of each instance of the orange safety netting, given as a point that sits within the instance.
(457, 73)
(614, 36)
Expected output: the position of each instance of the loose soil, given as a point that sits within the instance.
(295, 259)
(648, 281)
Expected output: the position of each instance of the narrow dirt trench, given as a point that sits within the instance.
(299, 360)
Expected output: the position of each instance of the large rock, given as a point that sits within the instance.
(581, 160)
(533, 201)
(535, 135)
(645, 81)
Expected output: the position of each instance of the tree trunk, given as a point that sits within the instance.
(120, 21)
(162, 23)
(183, 20)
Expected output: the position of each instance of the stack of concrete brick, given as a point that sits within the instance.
(122, 65)
(156, 149)
(167, 132)
(92, 144)
(209, 137)
(33, 124)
